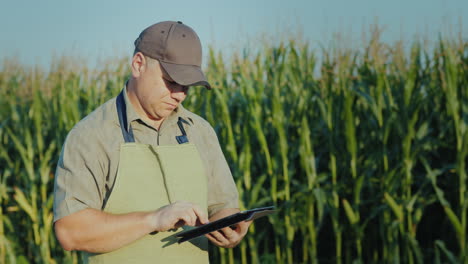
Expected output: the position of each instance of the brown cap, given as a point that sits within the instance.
(177, 48)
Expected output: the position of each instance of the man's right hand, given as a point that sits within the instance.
(177, 214)
(96, 231)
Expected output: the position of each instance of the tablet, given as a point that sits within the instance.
(224, 222)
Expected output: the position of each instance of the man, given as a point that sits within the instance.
(141, 166)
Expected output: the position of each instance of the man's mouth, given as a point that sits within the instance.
(172, 105)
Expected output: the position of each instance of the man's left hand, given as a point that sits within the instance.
(228, 237)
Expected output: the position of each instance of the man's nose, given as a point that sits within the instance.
(178, 93)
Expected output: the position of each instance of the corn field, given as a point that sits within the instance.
(363, 151)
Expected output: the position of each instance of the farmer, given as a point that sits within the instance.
(141, 166)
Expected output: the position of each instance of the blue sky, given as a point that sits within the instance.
(32, 32)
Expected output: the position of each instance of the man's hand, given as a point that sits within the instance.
(228, 237)
(177, 214)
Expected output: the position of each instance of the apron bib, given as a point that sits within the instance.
(149, 178)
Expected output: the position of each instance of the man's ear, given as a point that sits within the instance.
(138, 64)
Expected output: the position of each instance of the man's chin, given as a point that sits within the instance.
(164, 114)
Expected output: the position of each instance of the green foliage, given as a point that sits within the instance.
(362, 151)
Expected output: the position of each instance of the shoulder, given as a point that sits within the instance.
(95, 125)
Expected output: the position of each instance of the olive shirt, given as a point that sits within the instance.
(89, 159)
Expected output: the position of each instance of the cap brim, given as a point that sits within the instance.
(187, 75)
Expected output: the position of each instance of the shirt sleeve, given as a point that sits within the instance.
(222, 191)
(79, 177)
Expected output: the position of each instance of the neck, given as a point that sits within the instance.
(133, 98)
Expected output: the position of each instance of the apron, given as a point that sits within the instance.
(151, 177)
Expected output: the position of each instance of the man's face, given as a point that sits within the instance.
(157, 93)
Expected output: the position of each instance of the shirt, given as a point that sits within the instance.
(89, 159)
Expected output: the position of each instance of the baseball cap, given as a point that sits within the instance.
(177, 48)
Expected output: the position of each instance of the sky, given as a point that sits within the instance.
(35, 32)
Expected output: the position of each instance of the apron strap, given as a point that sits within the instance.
(122, 112)
(182, 139)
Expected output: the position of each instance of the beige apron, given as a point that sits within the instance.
(149, 178)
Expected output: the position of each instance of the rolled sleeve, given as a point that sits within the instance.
(79, 178)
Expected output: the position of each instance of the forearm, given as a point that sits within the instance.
(95, 231)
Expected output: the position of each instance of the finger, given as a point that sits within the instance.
(243, 227)
(228, 233)
(220, 238)
(201, 215)
(193, 218)
(187, 219)
(213, 240)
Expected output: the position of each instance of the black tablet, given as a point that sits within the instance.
(224, 222)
